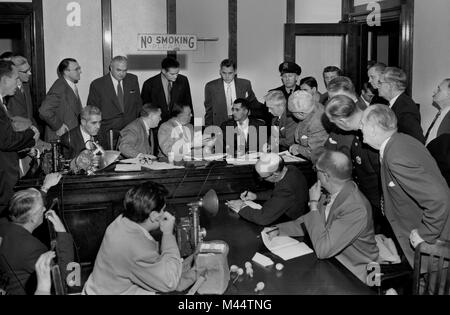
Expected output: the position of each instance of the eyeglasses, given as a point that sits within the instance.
(25, 71)
(317, 170)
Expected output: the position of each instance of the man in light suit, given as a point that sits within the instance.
(84, 136)
(11, 142)
(284, 124)
(339, 225)
(310, 134)
(62, 105)
(130, 261)
(167, 88)
(20, 105)
(441, 123)
(221, 93)
(117, 96)
(416, 196)
(137, 139)
(392, 87)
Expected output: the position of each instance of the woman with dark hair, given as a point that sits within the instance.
(130, 261)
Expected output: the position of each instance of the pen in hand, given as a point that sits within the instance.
(269, 231)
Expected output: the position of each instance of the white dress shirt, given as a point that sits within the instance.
(230, 97)
(437, 124)
(86, 138)
(392, 101)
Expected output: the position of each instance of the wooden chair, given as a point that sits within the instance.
(436, 280)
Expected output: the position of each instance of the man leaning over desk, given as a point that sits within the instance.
(287, 201)
(339, 224)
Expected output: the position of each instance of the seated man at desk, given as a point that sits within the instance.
(84, 136)
(137, 139)
(241, 133)
(130, 261)
(286, 202)
(340, 223)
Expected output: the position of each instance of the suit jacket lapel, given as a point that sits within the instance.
(75, 100)
(239, 89)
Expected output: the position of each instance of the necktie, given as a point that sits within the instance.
(120, 96)
(432, 124)
(169, 93)
(150, 141)
(75, 90)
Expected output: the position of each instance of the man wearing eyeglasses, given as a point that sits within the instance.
(20, 104)
(286, 202)
(62, 105)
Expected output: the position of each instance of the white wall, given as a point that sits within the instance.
(84, 43)
(131, 17)
(431, 53)
(206, 19)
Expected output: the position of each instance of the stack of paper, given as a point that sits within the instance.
(285, 247)
(289, 158)
(128, 168)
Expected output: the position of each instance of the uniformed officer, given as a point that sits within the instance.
(290, 74)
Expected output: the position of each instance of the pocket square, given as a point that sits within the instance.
(132, 91)
(391, 184)
(332, 141)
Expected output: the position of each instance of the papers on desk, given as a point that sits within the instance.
(247, 159)
(136, 165)
(251, 204)
(128, 168)
(262, 260)
(285, 247)
(289, 158)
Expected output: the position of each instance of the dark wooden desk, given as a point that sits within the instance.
(303, 275)
(90, 203)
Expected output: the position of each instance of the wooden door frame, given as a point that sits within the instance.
(349, 45)
(30, 14)
(401, 10)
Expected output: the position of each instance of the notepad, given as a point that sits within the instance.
(262, 260)
(285, 247)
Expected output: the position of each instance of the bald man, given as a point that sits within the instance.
(310, 134)
(286, 202)
(340, 223)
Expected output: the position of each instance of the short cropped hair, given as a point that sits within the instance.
(6, 55)
(336, 163)
(382, 116)
(378, 67)
(90, 111)
(396, 76)
(6, 68)
(141, 200)
(333, 69)
(149, 109)
(21, 203)
(228, 63)
(244, 103)
(119, 59)
(341, 106)
(275, 97)
(64, 65)
(168, 63)
(343, 84)
(177, 109)
(309, 81)
(447, 81)
(19, 60)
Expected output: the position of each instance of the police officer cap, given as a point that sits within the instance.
(290, 67)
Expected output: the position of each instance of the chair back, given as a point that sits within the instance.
(436, 279)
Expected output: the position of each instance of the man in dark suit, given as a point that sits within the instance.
(241, 134)
(283, 125)
(344, 86)
(84, 136)
(11, 142)
(374, 73)
(440, 150)
(20, 249)
(20, 104)
(416, 195)
(441, 122)
(221, 93)
(286, 202)
(117, 96)
(392, 87)
(329, 73)
(340, 221)
(62, 105)
(167, 88)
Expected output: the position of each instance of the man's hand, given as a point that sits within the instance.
(56, 221)
(167, 222)
(37, 134)
(248, 196)
(50, 181)
(146, 158)
(61, 131)
(315, 192)
(295, 149)
(43, 266)
(415, 238)
(271, 232)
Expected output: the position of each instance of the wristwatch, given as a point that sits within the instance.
(311, 202)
